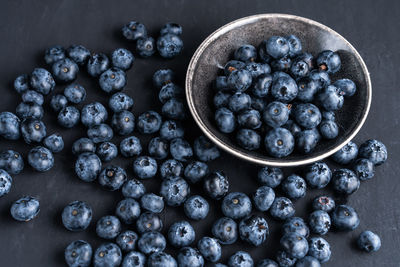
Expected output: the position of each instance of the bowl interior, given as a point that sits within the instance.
(218, 48)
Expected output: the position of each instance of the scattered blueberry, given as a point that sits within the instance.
(270, 176)
(276, 114)
(88, 166)
(282, 208)
(122, 58)
(78, 53)
(97, 64)
(236, 205)
(77, 216)
(11, 161)
(100, 133)
(369, 241)
(21, 83)
(145, 167)
(149, 221)
(134, 30)
(123, 122)
(146, 46)
(240, 259)
(133, 189)
(225, 230)
(112, 80)
(42, 81)
(320, 249)
(296, 225)
(158, 148)
(25, 209)
(294, 186)
(149, 122)
(216, 185)
(363, 168)
(5, 182)
(209, 248)
(345, 218)
(112, 177)
(175, 191)
(169, 45)
(346, 154)
(171, 168)
(180, 149)
(54, 54)
(345, 181)
(75, 93)
(373, 150)
(134, 259)
(225, 120)
(196, 207)
(151, 242)
(68, 117)
(263, 198)
(119, 102)
(127, 240)
(324, 203)
(83, 145)
(78, 253)
(318, 175)
(130, 147)
(108, 227)
(152, 202)
(58, 102)
(295, 245)
(195, 171)
(41, 159)
(254, 230)
(161, 259)
(174, 109)
(54, 142)
(107, 151)
(190, 257)
(171, 129)
(181, 234)
(279, 142)
(162, 77)
(319, 222)
(107, 254)
(65, 70)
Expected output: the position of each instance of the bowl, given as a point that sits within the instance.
(218, 48)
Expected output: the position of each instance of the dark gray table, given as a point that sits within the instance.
(29, 27)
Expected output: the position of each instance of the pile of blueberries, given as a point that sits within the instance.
(179, 165)
(281, 94)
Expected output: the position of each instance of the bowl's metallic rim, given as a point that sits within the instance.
(277, 162)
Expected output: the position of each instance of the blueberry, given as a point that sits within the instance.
(369, 241)
(41, 159)
(161, 259)
(79, 54)
(180, 149)
(21, 83)
(87, 166)
(134, 259)
(175, 191)
(236, 205)
(145, 167)
(31, 96)
(112, 80)
(307, 89)
(254, 230)
(282, 208)
(123, 122)
(328, 115)
(78, 253)
(196, 207)
(169, 45)
(277, 46)
(169, 91)
(181, 234)
(100, 133)
(209, 248)
(225, 120)
(240, 259)
(145, 46)
(108, 227)
(276, 114)
(320, 249)
(171, 168)
(249, 118)
(25, 209)
(122, 58)
(174, 109)
(134, 30)
(149, 221)
(330, 98)
(321, 77)
(158, 148)
(345, 218)
(233, 65)
(119, 102)
(204, 149)
(246, 53)
(196, 171)
(11, 161)
(318, 175)
(284, 89)
(149, 122)
(308, 261)
(190, 257)
(68, 117)
(127, 240)
(299, 69)
(75, 93)
(172, 28)
(54, 142)
(130, 147)
(328, 129)
(363, 168)
(112, 177)
(279, 142)
(284, 260)
(307, 115)
(107, 151)
(294, 186)
(77, 216)
(107, 254)
(346, 154)
(295, 46)
(42, 81)
(263, 198)
(324, 203)
(5, 182)
(151, 242)
(58, 102)
(248, 139)
(262, 85)
(257, 69)
(128, 210)
(270, 176)
(97, 64)
(27, 110)
(319, 222)
(296, 225)
(162, 77)
(53, 54)
(83, 145)
(65, 70)
(281, 64)
(225, 230)
(345, 181)
(133, 189)
(328, 61)
(346, 86)
(171, 129)
(152, 202)
(295, 245)
(373, 150)
(216, 185)
(307, 140)
(267, 263)
(293, 127)
(239, 80)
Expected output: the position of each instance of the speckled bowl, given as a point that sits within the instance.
(217, 49)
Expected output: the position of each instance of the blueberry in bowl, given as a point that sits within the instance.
(312, 72)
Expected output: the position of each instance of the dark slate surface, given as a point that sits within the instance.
(28, 27)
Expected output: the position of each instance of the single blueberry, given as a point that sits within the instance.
(112, 177)
(190, 257)
(171, 168)
(41, 159)
(149, 122)
(328, 61)
(345, 218)
(216, 185)
(169, 91)
(263, 198)
(293, 127)
(225, 120)
(133, 189)
(97, 64)
(169, 45)
(294, 244)
(79, 54)
(53, 54)
(161, 259)
(236, 205)
(122, 58)
(240, 259)
(83, 145)
(171, 129)
(77, 216)
(25, 209)
(319, 222)
(162, 77)
(42, 81)
(78, 253)
(249, 118)
(248, 139)
(307, 115)
(308, 261)
(330, 98)
(107, 151)
(134, 30)
(282, 64)
(299, 69)
(374, 150)
(276, 114)
(262, 52)
(5, 182)
(100, 133)
(257, 69)
(11, 161)
(320, 249)
(181, 234)
(296, 225)
(54, 142)
(233, 65)
(128, 210)
(123, 122)
(171, 27)
(21, 83)
(175, 191)
(345, 181)
(277, 46)
(112, 80)
(204, 149)
(238, 102)
(119, 102)
(68, 117)
(363, 168)
(294, 186)
(152, 202)
(158, 148)
(65, 70)
(284, 260)
(196, 171)
(225, 230)
(107, 254)
(75, 93)
(130, 147)
(254, 230)
(262, 85)
(151, 242)
(284, 89)
(246, 53)
(307, 140)
(58, 102)
(31, 96)
(196, 207)
(145, 167)
(149, 221)
(318, 175)
(267, 263)
(87, 166)
(295, 46)
(108, 227)
(239, 80)
(174, 109)
(209, 248)
(146, 46)
(369, 241)
(279, 142)
(127, 240)
(324, 203)
(328, 129)
(180, 149)
(346, 86)
(346, 154)
(321, 77)
(134, 259)
(270, 176)
(282, 208)
(307, 89)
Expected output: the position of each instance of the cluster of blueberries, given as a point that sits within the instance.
(282, 94)
(178, 163)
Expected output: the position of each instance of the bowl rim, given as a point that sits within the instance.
(276, 162)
